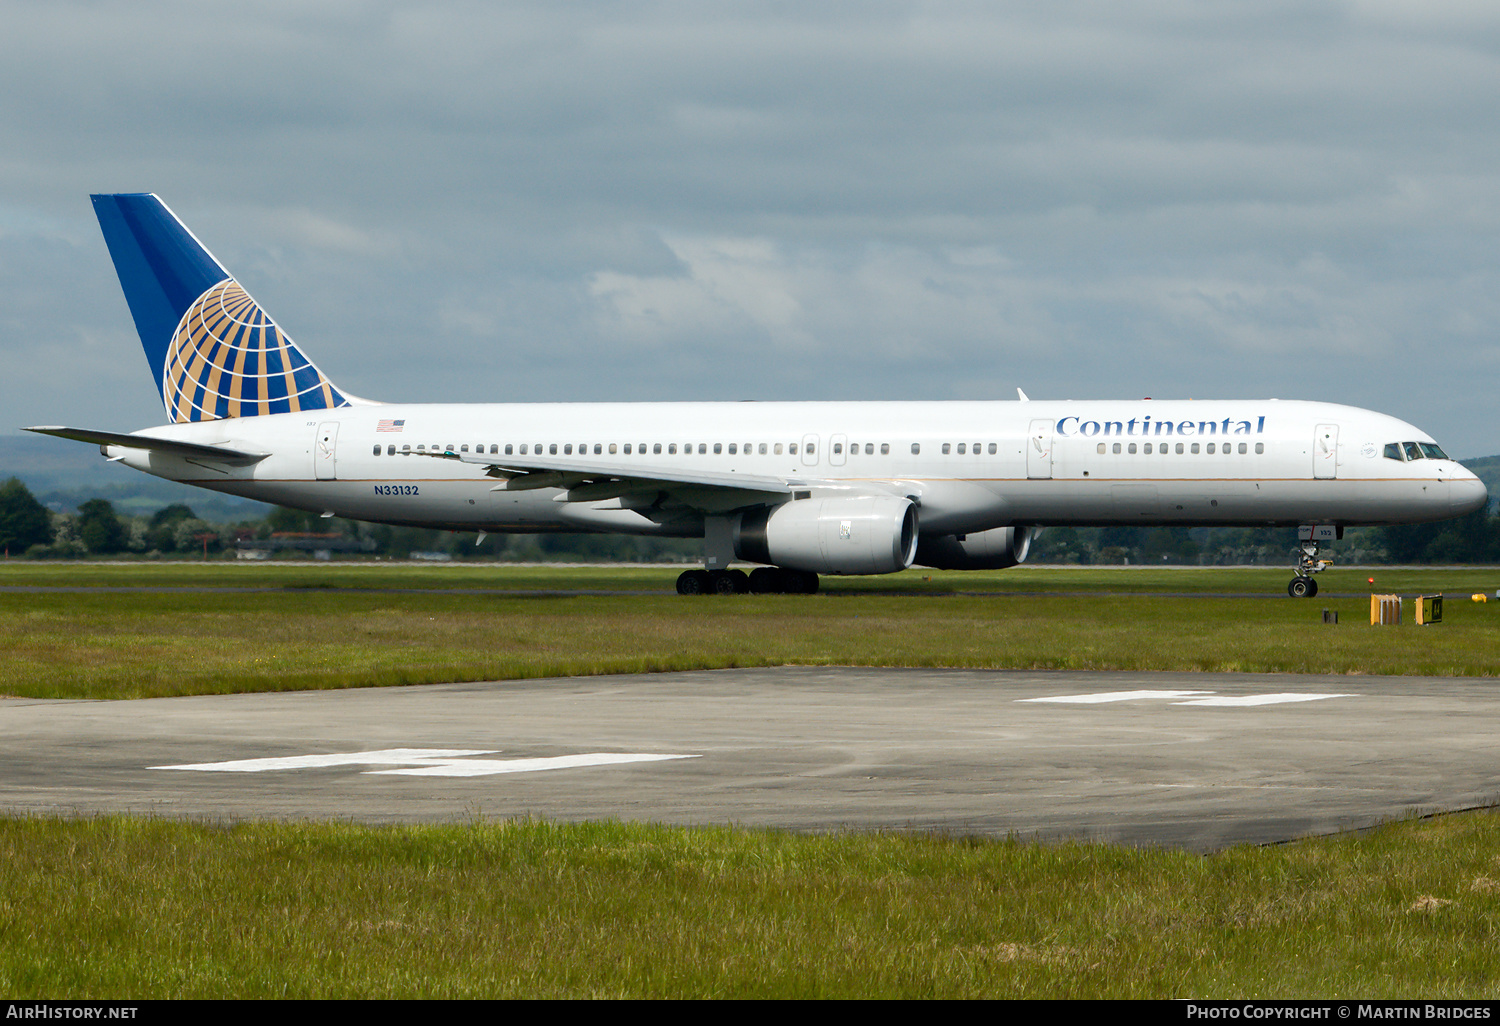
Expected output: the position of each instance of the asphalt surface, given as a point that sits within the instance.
(1198, 761)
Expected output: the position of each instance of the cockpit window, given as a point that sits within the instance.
(1432, 452)
(1393, 451)
(1412, 452)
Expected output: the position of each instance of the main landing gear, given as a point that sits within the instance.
(1308, 563)
(765, 580)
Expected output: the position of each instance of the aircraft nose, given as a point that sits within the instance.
(1467, 494)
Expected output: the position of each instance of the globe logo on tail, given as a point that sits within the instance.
(228, 359)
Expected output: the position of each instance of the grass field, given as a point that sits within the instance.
(216, 628)
(153, 908)
(534, 909)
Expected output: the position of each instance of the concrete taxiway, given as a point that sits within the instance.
(1191, 760)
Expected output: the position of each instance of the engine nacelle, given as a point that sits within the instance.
(995, 549)
(864, 534)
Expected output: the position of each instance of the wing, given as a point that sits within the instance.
(629, 484)
(165, 446)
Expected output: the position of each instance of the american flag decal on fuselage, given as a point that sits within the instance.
(390, 425)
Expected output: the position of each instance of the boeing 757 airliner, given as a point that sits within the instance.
(803, 488)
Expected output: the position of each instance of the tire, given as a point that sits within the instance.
(1302, 587)
(692, 582)
(728, 582)
(763, 581)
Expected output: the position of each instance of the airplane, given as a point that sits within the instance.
(801, 488)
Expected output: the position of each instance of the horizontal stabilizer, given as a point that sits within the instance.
(165, 446)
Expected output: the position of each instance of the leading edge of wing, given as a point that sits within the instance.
(518, 468)
(165, 446)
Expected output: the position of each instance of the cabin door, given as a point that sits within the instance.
(1326, 452)
(1039, 450)
(325, 451)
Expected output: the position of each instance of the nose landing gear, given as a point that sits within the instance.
(1308, 563)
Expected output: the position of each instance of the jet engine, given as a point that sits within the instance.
(995, 549)
(864, 534)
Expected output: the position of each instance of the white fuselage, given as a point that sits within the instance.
(969, 466)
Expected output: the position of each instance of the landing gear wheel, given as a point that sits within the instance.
(693, 582)
(775, 580)
(1302, 587)
(765, 580)
(729, 582)
(799, 582)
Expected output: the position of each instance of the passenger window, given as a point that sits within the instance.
(792, 448)
(1210, 448)
(1146, 449)
(885, 448)
(390, 450)
(627, 448)
(1101, 448)
(552, 449)
(733, 448)
(976, 448)
(838, 447)
(1132, 448)
(406, 448)
(612, 449)
(1242, 448)
(672, 448)
(703, 449)
(598, 449)
(1195, 448)
(763, 448)
(916, 448)
(1117, 448)
(947, 448)
(812, 447)
(1179, 448)
(508, 451)
(656, 448)
(377, 448)
(962, 448)
(464, 447)
(1260, 447)
(992, 448)
(778, 449)
(869, 448)
(421, 448)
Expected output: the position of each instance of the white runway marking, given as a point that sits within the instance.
(1114, 696)
(486, 767)
(1263, 699)
(426, 762)
(385, 757)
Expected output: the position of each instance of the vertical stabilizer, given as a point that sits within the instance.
(214, 351)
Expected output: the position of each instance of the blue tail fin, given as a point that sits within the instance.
(213, 350)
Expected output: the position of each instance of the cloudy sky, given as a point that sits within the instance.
(645, 201)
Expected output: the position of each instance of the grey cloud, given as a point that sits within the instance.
(767, 200)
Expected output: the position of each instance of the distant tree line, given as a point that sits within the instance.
(27, 528)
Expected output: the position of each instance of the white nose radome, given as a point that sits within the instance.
(1466, 494)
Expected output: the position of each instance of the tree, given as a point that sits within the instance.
(24, 522)
(98, 527)
(161, 533)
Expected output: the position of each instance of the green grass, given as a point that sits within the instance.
(314, 627)
(127, 907)
(534, 909)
